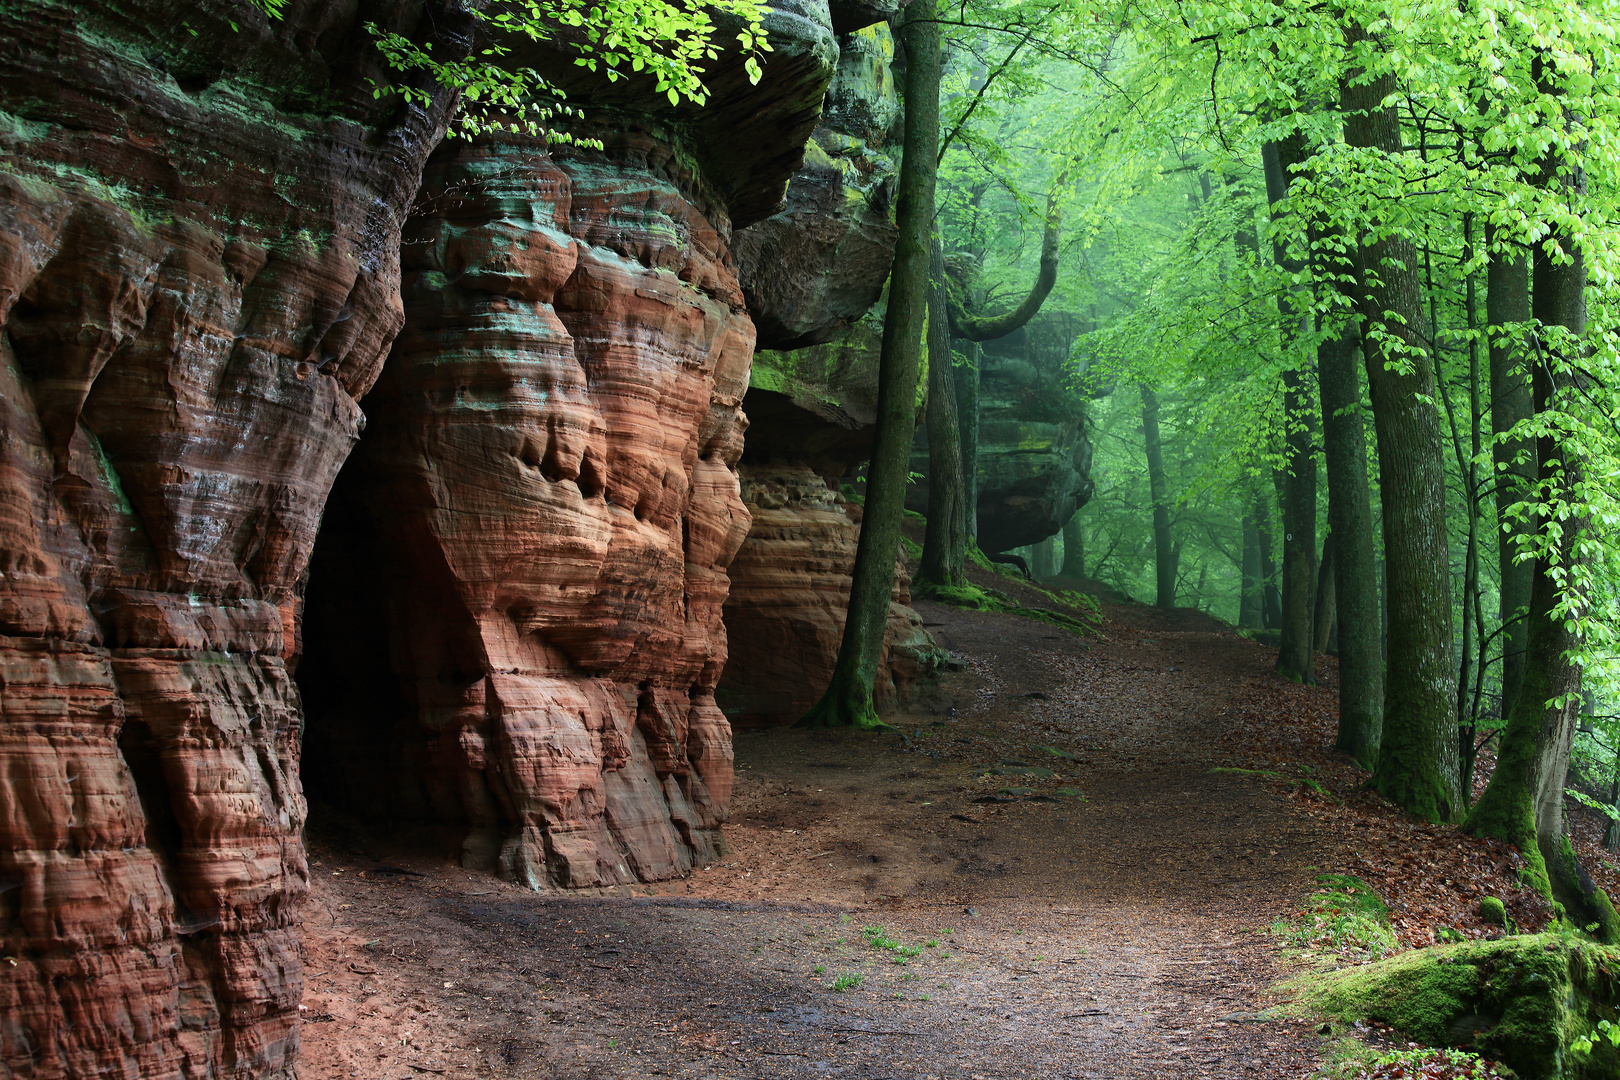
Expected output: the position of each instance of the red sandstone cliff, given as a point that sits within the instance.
(509, 630)
(198, 281)
(551, 504)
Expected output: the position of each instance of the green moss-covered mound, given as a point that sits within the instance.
(1520, 1000)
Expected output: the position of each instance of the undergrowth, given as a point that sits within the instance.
(1346, 917)
(978, 598)
(1355, 1060)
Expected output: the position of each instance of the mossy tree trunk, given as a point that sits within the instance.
(1270, 598)
(1074, 547)
(966, 369)
(1326, 608)
(847, 701)
(1295, 656)
(1507, 303)
(1251, 595)
(1417, 757)
(1164, 551)
(1524, 801)
(945, 538)
(1355, 568)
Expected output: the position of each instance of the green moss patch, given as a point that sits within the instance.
(1528, 1002)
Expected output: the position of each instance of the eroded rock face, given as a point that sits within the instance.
(1034, 451)
(198, 279)
(552, 503)
(789, 595)
(819, 265)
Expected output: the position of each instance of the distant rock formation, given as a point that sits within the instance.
(1034, 451)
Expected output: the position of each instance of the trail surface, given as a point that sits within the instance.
(1105, 919)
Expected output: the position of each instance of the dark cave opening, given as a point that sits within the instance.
(353, 705)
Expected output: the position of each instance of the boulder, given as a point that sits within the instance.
(1523, 1001)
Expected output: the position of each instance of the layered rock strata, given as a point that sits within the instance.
(199, 278)
(819, 265)
(789, 595)
(551, 503)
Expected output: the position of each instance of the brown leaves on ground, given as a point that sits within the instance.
(1431, 876)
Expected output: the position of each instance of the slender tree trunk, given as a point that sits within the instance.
(1270, 598)
(1043, 559)
(1326, 608)
(1074, 547)
(1524, 801)
(1611, 831)
(1251, 595)
(1295, 658)
(1164, 556)
(847, 701)
(1355, 569)
(1417, 758)
(944, 552)
(966, 370)
(1507, 302)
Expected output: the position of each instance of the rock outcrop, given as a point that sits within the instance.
(789, 595)
(537, 526)
(550, 503)
(1034, 459)
(813, 275)
(819, 265)
(199, 279)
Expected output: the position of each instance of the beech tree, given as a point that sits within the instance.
(847, 700)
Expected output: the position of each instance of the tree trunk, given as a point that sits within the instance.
(944, 552)
(1355, 570)
(1507, 301)
(1164, 555)
(1251, 594)
(1524, 801)
(1295, 658)
(1270, 598)
(967, 418)
(1074, 548)
(847, 701)
(1043, 559)
(1417, 758)
(990, 327)
(1323, 614)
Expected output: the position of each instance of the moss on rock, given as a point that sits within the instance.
(1519, 1000)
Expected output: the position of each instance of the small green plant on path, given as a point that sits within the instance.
(1346, 917)
(849, 980)
(878, 938)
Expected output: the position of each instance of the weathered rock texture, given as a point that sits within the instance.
(1034, 453)
(536, 529)
(200, 271)
(552, 502)
(789, 595)
(819, 265)
(198, 280)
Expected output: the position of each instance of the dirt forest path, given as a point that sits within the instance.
(1104, 917)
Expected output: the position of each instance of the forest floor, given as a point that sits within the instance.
(1069, 869)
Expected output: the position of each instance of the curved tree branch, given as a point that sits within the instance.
(990, 327)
